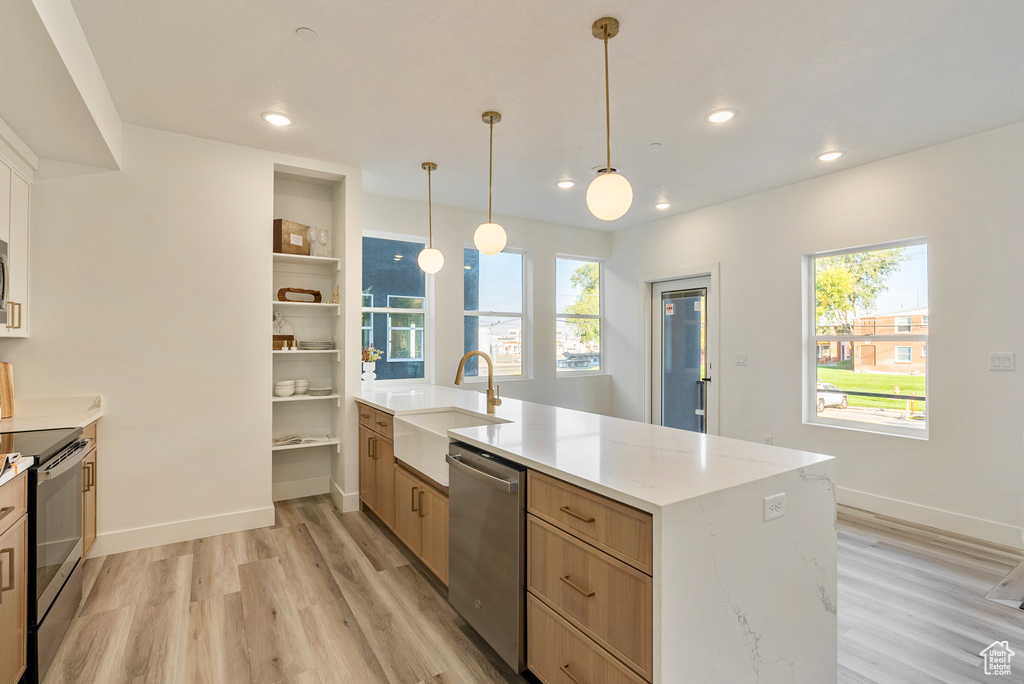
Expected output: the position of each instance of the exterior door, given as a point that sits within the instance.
(680, 367)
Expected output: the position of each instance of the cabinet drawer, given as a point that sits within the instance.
(89, 432)
(384, 424)
(13, 501)
(366, 416)
(558, 653)
(608, 600)
(624, 532)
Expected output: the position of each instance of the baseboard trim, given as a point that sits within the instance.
(296, 489)
(977, 528)
(346, 501)
(136, 538)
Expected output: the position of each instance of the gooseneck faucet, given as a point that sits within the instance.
(492, 390)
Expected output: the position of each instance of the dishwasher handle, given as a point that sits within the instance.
(508, 486)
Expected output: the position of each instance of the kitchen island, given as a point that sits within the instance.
(736, 598)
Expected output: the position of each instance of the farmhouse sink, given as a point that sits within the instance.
(421, 439)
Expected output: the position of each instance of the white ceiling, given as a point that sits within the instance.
(391, 84)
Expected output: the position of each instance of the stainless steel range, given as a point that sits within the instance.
(55, 538)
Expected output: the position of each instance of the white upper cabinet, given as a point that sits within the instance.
(14, 224)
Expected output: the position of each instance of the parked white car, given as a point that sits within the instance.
(830, 395)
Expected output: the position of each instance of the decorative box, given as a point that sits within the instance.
(290, 237)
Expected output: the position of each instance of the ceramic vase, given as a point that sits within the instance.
(369, 375)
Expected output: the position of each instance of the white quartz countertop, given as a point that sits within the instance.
(48, 414)
(645, 466)
(20, 466)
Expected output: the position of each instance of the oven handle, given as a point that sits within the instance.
(73, 459)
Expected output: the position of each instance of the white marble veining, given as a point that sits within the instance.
(646, 466)
(57, 412)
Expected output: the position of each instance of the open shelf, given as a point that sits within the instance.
(301, 305)
(306, 397)
(289, 447)
(298, 259)
(307, 351)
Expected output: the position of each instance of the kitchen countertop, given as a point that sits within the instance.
(646, 466)
(20, 466)
(48, 414)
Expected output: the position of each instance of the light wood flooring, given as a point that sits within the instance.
(326, 598)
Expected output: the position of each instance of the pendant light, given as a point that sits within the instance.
(610, 194)
(490, 237)
(430, 260)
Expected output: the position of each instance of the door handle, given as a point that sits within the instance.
(369, 447)
(413, 504)
(10, 315)
(565, 671)
(422, 514)
(5, 511)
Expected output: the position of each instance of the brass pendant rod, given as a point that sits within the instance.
(430, 211)
(607, 105)
(490, 172)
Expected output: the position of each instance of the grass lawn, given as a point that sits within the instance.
(883, 383)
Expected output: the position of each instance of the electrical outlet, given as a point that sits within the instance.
(1002, 361)
(768, 439)
(774, 506)
(741, 359)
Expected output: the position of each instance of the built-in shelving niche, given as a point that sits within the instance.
(304, 470)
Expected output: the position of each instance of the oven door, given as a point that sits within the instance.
(58, 511)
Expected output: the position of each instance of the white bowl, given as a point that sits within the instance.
(301, 390)
(284, 391)
(286, 383)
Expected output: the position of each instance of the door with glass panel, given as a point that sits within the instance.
(681, 372)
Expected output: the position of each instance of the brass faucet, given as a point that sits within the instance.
(492, 390)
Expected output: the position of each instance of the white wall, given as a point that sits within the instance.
(150, 286)
(965, 196)
(453, 230)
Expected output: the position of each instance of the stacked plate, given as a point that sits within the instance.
(316, 346)
(319, 391)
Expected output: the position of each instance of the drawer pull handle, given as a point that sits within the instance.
(5, 511)
(382, 423)
(569, 511)
(565, 578)
(565, 670)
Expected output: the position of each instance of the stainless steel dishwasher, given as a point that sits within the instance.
(486, 548)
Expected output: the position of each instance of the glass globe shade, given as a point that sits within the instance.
(490, 238)
(609, 196)
(430, 260)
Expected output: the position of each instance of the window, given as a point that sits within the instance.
(494, 310)
(578, 315)
(395, 312)
(866, 360)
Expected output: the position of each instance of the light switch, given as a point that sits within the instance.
(741, 359)
(1002, 361)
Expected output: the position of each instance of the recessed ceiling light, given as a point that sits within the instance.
(720, 116)
(277, 119)
(566, 184)
(662, 205)
(830, 156)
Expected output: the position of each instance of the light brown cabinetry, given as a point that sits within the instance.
(89, 491)
(590, 608)
(376, 463)
(421, 520)
(13, 579)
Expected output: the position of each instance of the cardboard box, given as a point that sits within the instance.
(290, 237)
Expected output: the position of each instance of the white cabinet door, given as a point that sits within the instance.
(5, 202)
(17, 258)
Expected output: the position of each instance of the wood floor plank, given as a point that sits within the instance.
(93, 649)
(375, 545)
(276, 643)
(118, 583)
(216, 560)
(156, 648)
(339, 646)
(216, 641)
(311, 581)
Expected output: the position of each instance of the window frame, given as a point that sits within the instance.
(910, 353)
(427, 312)
(527, 339)
(399, 312)
(896, 325)
(602, 369)
(811, 339)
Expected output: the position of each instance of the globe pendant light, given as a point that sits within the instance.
(430, 260)
(490, 237)
(610, 194)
